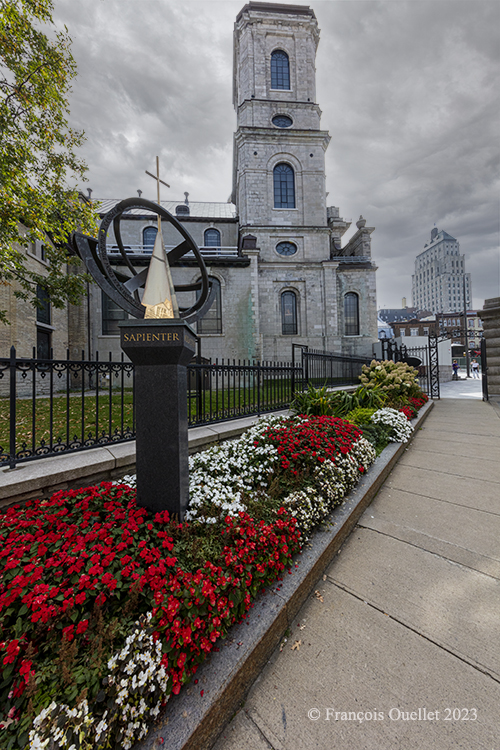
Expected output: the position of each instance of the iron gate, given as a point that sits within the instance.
(424, 358)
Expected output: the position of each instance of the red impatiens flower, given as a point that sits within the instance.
(63, 557)
(82, 626)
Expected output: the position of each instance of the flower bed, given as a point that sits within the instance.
(106, 610)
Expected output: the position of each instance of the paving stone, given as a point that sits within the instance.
(355, 658)
(450, 604)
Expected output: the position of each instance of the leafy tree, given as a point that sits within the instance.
(37, 152)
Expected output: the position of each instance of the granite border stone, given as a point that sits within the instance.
(42, 477)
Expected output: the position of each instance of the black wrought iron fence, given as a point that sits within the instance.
(423, 358)
(226, 390)
(325, 368)
(51, 406)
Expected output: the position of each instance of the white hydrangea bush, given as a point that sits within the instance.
(401, 428)
(135, 690)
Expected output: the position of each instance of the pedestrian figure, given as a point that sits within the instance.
(475, 369)
(454, 367)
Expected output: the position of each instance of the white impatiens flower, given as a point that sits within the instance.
(137, 666)
(401, 427)
(52, 724)
(221, 477)
(330, 483)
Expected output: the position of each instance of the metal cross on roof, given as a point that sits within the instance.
(157, 178)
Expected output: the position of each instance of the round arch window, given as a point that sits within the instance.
(286, 248)
(282, 121)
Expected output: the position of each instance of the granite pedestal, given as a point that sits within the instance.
(160, 351)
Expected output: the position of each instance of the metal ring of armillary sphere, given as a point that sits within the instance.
(122, 287)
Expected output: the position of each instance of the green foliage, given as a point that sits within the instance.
(318, 402)
(360, 415)
(37, 153)
(315, 402)
(376, 434)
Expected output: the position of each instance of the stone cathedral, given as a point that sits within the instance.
(274, 252)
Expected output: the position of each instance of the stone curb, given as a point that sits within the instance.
(43, 477)
(191, 721)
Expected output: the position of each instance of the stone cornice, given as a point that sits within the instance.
(248, 133)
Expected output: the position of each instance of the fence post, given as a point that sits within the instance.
(258, 387)
(199, 375)
(12, 447)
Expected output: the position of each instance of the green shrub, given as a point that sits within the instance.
(360, 415)
(397, 380)
(315, 402)
(376, 434)
(319, 402)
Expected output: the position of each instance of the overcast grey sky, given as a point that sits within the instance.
(408, 90)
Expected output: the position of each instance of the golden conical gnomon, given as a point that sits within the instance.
(159, 294)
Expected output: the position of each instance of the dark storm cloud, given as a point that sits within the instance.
(407, 91)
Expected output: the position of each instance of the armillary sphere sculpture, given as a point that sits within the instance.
(160, 343)
(123, 286)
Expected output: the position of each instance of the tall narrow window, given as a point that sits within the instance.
(148, 238)
(284, 187)
(280, 70)
(111, 316)
(43, 330)
(351, 314)
(289, 314)
(43, 344)
(211, 238)
(43, 308)
(212, 320)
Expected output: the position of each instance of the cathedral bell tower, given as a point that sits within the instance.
(279, 188)
(279, 147)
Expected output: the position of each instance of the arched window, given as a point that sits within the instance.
(148, 238)
(289, 314)
(212, 320)
(211, 238)
(280, 70)
(284, 186)
(351, 314)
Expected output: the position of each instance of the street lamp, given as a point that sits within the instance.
(467, 357)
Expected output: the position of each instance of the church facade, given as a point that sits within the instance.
(274, 252)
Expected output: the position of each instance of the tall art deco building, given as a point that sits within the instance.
(438, 281)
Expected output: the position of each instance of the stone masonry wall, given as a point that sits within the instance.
(490, 316)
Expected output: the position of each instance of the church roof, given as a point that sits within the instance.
(298, 10)
(197, 210)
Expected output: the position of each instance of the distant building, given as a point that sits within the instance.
(452, 325)
(438, 281)
(384, 329)
(415, 327)
(46, 330)
(401, 314)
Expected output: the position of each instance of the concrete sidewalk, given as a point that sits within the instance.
(400, 646)
(462, 388)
